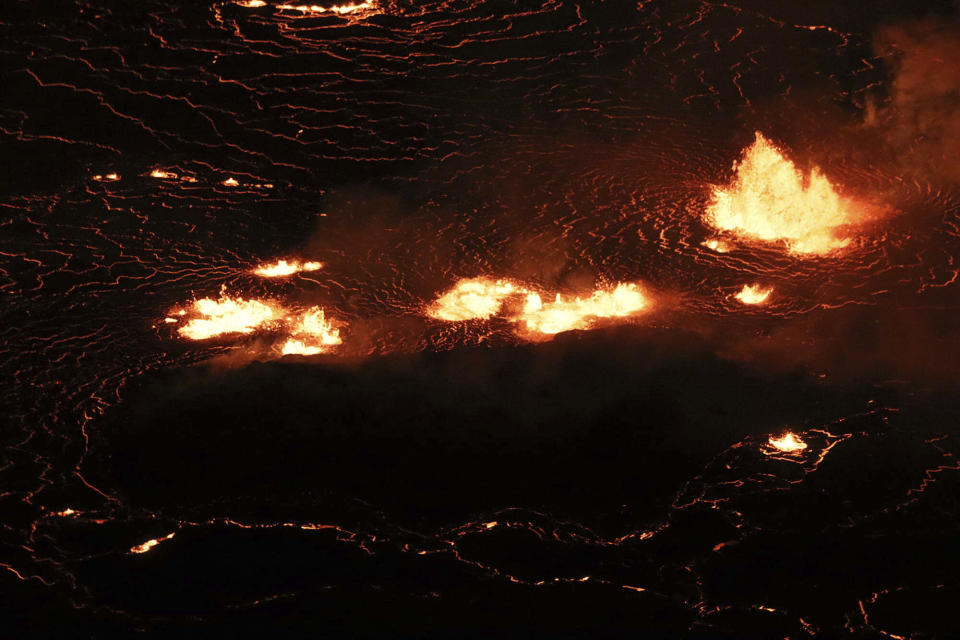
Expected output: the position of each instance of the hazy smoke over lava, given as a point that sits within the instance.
(921, 118)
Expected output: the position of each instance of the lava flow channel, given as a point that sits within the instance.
(771, 200)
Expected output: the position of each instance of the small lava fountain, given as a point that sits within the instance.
(753, 294)
(282, 268)
(310, 334)
(472, 299)
(212, 318)
(564, 315)
(787, 443)
(482, 298)
(770, 199)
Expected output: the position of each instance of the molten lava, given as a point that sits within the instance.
(753, 294)
(476, 298)
(716, 245)
(565, 315)
(150, 544)
(482, 298)
(788, 443)
(310, 334)
(770, 199)
(342, 9)
(282, 268)
(227, 315)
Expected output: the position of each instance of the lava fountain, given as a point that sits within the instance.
(579, 313)
(770, 199)
(310, 334)
(482, 298)
(472, 299)
(787, 443)
(753, 294)
(213, 318)
(282, 268)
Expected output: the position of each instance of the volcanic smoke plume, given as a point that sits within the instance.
(921, 117)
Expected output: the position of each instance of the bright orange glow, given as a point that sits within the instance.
(579, 313)
(476, 298)
(230, 182)
(150, 544)
(787, 443)
(312, 333)
(252, 4)
(163, 175)
(341, 9)
(770, 199)
(753, 294)
(716, 245)
(228, 315)
(110, 177)
(282, 268)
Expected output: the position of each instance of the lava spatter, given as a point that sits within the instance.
(753, 294)
(311, 333)
(566, 314)
(473, 299)
(770, 199)
(209, 318)
(483, 298)
(282, 268)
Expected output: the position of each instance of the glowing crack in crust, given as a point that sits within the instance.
(770, 199)
(753, 294)
(482, 298)
(282, 268)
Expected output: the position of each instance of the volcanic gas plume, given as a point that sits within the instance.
(770, 199)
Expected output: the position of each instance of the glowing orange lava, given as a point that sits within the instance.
(341, 9)
(482, 298)
(252, 4)
(579, 313)
(475, 298)
(753, 294)
(770, 199)
(150, 544)
(312, 333)
(716, 245)
(282, 268)
(788, 443)
(163, 175)
(230, 182)
(227, 315)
